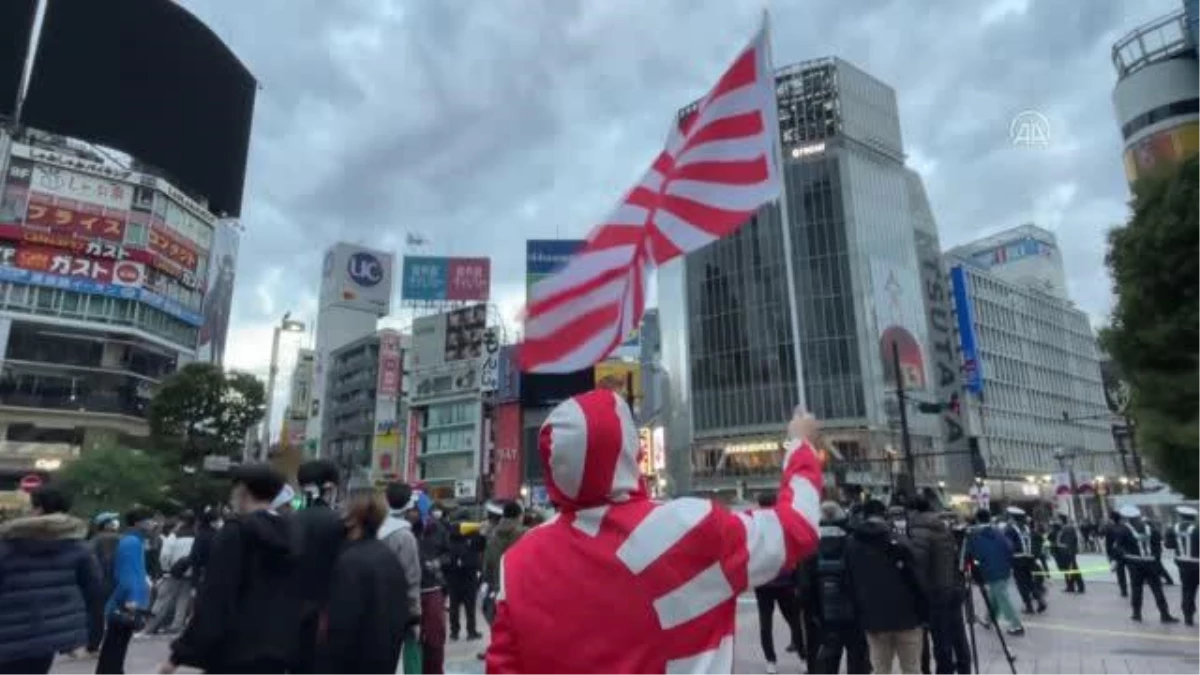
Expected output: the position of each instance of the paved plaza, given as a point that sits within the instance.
(1091, 633)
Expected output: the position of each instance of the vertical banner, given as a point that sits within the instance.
(489, 368)
(388, 385)
(5, 331)
(506, 458)
(972, 369)
(218, 296)
(412, 448)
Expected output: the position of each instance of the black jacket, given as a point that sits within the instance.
(202, 551)
(104, 548)
(49, 585)
(367, 611)
(318, 533)
(1138, 543)
(1066, 540)
(464, 556)
(432, 543)
(1111, 533)
(248, 608)
(823, 590)
(936, 554)
(880, 574)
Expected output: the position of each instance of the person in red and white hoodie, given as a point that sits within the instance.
(618, 583)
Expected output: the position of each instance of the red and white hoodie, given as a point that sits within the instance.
(618, 583)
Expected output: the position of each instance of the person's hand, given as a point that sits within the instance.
(804, 427)
(168, 667)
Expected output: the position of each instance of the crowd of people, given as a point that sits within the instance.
(356, 581)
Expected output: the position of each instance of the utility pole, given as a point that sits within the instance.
(910, 484)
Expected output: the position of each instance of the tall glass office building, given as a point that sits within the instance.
(728, 345)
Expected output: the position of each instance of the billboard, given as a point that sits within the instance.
(390, 370)
(436, 279)
(1025, 247)
(972, 368)
(506, 457)
(544, 257)
(900, 320)
(429, 341)
(1162, 150)
(465, 333)
(508, 375)
(355, 277)
(412, 448)
(489, 368)
(218, 297)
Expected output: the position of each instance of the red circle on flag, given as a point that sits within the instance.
(128, 273)
(30, 483)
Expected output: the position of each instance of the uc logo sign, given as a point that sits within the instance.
(364, 269)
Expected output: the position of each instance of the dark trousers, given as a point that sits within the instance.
(1027, 584)
(1188, 576)
(836, 638)
(250, 668)
(1146, 574)
(1121, 577)
(306, 652)
(114, 648)
(33, 665)
(1068, 564)
(951, 650)
(462, 594)
(767, 598)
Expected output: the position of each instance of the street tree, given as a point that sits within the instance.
(114, 479)
(1155, 325)
(204, 410)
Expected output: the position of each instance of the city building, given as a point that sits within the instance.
(1034, 378)
(727, 326)
(300, 395)
(447, 418)
(364, 406)
(1026, 255)
(118, 230)
(1156, 99)
(356, 290)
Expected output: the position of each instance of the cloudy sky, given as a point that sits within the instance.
(480, 123)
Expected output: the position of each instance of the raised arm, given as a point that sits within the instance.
(761, 544)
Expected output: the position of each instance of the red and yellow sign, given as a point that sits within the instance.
(82, 223)
(172, 248)
(1161, 150)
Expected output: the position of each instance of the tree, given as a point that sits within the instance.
(114, 479)
(1155, 326)
(203, 410)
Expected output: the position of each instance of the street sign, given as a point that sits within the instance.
(464, 489)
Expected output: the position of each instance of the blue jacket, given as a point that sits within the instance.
(130, 574)
(991, 551)
(49, 583)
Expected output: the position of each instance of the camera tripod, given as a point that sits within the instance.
(972, 619)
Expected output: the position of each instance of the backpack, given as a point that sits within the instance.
(836, 607)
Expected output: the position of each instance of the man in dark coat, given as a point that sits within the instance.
(1066, 541)
(1111, 534)
(49, 585)
(318, 533)
(464, 560)
(247, 609)
(1140, 546)
(888, 598)
(936, 556)
(829, 602)
(1027, 548)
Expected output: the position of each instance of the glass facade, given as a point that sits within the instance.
(60, 302)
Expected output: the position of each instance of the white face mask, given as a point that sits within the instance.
(436, 513)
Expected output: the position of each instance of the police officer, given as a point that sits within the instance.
(1112, 532)
(1066, 549)
(1027, 549)
(1140, 546)
(1184, 538)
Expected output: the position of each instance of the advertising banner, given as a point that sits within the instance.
(1025, 247)
(1162, 150)
(900, 320)
(508, 375)
(173, 248)
(429, 341)
(972, 368)
(506, 458)
(437, 278)
(385, 447)
(465, 330)
(58, 182)
(451, 379)
(388, 384)
(354, 277)
(218, 298)
(83, 221)
(489, 362)
(544, 257)
(412, 448)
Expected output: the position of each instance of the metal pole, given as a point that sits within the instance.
(905, 440)
(1137, 458)
(789, 266)
(266, 428)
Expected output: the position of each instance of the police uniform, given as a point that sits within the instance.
(1140, 546)
(1184, 538)
(1027, 548)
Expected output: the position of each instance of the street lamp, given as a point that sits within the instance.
(1066, 460)
(286, 325)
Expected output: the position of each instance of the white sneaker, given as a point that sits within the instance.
(771, 669)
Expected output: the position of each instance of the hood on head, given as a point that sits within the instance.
(46, 528)
(589, 451)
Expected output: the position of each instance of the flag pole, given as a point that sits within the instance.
(789, 263)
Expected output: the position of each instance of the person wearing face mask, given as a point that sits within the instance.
(247, 616)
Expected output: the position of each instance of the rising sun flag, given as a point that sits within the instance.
(720, 164)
